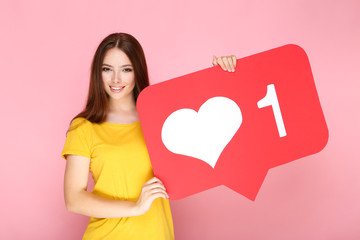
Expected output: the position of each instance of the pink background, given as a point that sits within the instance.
(45, 55)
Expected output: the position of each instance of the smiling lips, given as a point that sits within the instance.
(116, 89)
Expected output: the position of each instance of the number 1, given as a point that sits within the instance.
(271, 100)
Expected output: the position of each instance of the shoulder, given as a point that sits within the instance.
(78, 138)
(80, 120)
(79, 123)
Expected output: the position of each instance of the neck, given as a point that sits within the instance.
(122, 105)
(122, 111)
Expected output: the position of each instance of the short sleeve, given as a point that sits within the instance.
(78, 139)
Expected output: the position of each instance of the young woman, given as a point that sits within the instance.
(127, 201)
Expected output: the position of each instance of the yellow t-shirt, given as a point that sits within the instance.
(120, 165)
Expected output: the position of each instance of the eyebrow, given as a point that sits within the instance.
(126, 65)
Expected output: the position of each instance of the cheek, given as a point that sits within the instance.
(128, 79)
(105, 77)
(131, 79)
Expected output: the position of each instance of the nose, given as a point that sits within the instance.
(117, 77)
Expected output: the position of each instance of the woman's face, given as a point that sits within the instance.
(118, 74)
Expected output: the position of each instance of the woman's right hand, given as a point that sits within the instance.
(151, 190)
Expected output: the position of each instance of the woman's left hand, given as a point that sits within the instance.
(227, 63)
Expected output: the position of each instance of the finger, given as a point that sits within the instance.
(157, 195)
(232, 69)
(234, 60)
(154, 186)
(158, 190)
(226, 63)
(214, 61)
(152, 180)
(151, 192)
(158, 180)
(221, 63)
(154, 191)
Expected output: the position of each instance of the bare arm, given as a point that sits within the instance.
(78, 200)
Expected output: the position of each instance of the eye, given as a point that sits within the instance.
(106, 69)
(127, 69)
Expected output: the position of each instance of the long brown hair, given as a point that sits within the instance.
(97, 105)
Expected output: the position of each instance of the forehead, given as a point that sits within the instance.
(116, 56)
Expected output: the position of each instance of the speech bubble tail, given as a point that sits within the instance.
(247, 185)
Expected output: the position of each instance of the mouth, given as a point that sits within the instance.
(116, 89)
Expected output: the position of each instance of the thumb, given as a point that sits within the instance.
(214, 61)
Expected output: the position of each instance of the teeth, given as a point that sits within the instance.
(116, 88)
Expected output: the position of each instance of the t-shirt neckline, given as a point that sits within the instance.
(122, 124)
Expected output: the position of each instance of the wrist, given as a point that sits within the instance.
(136, 209)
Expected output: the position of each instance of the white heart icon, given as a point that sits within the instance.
(203, 134)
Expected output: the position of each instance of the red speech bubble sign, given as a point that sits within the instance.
(268, 109)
